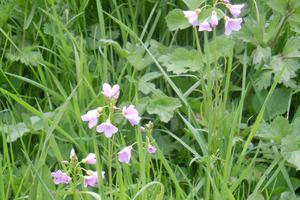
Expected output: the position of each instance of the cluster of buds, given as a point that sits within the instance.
(75, 171)
(231, 24)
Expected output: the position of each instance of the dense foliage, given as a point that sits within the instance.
(219, 103)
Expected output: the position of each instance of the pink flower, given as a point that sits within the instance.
(142, 129)
(92, 178)
(125, 155)
(151, 149)
(192, 17)
(232, 25)
(111, 92)
(226, 1)
(131, 114)
(90, 159)
(235, 10)
(108, 128)
(92, 117)
(204, 26)
(60, 177)
(214, 19)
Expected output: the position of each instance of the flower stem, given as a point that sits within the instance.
(109, 168)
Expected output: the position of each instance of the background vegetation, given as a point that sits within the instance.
(225, 109)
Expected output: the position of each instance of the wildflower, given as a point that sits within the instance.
(111, 92)
(60, 177)
(151, 149)
(235, 10)
(92, 178)
(90, 159)
(73, 155)
(142, 129)
(226, 1)
(232, 25)
(192, 17)
(108, 128)
(214, 19)
(204, 26)
(131, 114)
(125, 154)
(92, 117)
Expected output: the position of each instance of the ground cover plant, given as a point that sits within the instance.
(149, 99)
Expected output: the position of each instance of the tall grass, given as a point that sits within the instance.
(59, 67)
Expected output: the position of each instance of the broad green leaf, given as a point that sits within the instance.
(163, 106)
(217, 48)
(138, 57)
(144, 85)
(18, 130)
(181, 61)
(290, 67)
(176, 20)
(288, 196)
(275, 131)
(278, 5)
(278, 103)
(292, 47)
(193, 4)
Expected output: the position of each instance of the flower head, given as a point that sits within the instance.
(142, 129)
(235, 10)
(125, 154)
(111, 92)
(107, 128)
(192, 17)
(131, 114)
(151, 149)
(60, 177)
(214, 19)
(204, 26)
(232, 25)
(91, 179)
(90, 159)
(92, 117)
(226, 1)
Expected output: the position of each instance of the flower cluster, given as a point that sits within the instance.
(111, 94)
(231, 24)
(75, 170)
(130, 113)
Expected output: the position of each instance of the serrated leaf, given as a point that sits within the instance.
(275, 131)
(263, 81)
(145, 86)
(176, 20)
(292, 47)
(261, 55)
(289, 67)
(163, 106)
(27, 57)
(182, 61)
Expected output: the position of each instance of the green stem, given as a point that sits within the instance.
(109, 168)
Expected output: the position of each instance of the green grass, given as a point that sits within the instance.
(55, 56)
